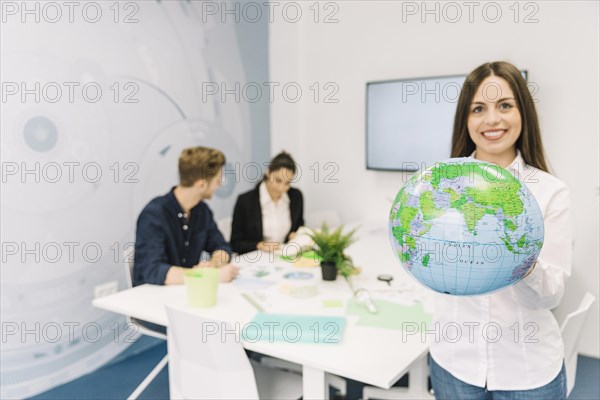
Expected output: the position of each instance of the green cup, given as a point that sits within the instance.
(202, 284)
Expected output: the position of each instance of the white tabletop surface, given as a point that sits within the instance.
(376, 356)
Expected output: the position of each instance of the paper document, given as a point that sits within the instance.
(299, 244)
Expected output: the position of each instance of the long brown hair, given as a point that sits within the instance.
(530, 140)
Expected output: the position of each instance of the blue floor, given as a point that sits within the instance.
(119, 378)
(587, 384)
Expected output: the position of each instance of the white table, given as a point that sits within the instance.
(376, 356)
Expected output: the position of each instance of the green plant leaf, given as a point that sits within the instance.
(330, 246)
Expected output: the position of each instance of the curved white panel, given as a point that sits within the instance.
(161, 62)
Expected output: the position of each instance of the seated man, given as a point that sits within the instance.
(174, 229)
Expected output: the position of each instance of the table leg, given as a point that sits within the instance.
(418, 377)
(314, 384)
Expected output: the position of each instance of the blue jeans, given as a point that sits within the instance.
(446, 386)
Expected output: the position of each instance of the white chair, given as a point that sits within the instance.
(224, 225)
(417, 385)
(571, 329)
(129, 254)
(215, 366)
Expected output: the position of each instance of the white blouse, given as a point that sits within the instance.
(509, 339)
(276, 216)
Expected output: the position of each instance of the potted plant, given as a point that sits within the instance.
(330, 246)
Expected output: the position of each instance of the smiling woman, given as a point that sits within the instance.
(496, 115)
(496, 122)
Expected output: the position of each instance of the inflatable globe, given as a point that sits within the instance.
(466, 227)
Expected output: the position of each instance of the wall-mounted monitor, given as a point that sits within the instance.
(409, 121)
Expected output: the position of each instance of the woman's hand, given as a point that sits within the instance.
(292, 235)
(531, 269)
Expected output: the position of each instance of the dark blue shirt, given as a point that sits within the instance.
(166, 237)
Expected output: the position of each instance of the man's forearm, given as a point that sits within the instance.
(174, 276)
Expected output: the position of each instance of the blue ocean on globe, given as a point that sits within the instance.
(466, 227)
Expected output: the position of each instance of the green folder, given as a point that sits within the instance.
(390, 315)
(288, 328)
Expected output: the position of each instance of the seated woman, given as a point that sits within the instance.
(271, 213)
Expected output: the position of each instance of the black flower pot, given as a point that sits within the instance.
(329, 271)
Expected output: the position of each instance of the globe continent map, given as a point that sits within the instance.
(466, 227)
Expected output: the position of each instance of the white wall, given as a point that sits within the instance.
(371, 42)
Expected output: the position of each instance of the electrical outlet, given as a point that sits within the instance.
(105, 289)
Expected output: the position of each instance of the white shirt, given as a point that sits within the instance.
(276, 216)
(509, 339)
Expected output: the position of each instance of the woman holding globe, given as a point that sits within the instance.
(510, 345)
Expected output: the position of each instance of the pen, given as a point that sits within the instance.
(253, 302)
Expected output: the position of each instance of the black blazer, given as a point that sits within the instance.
(246, 227)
